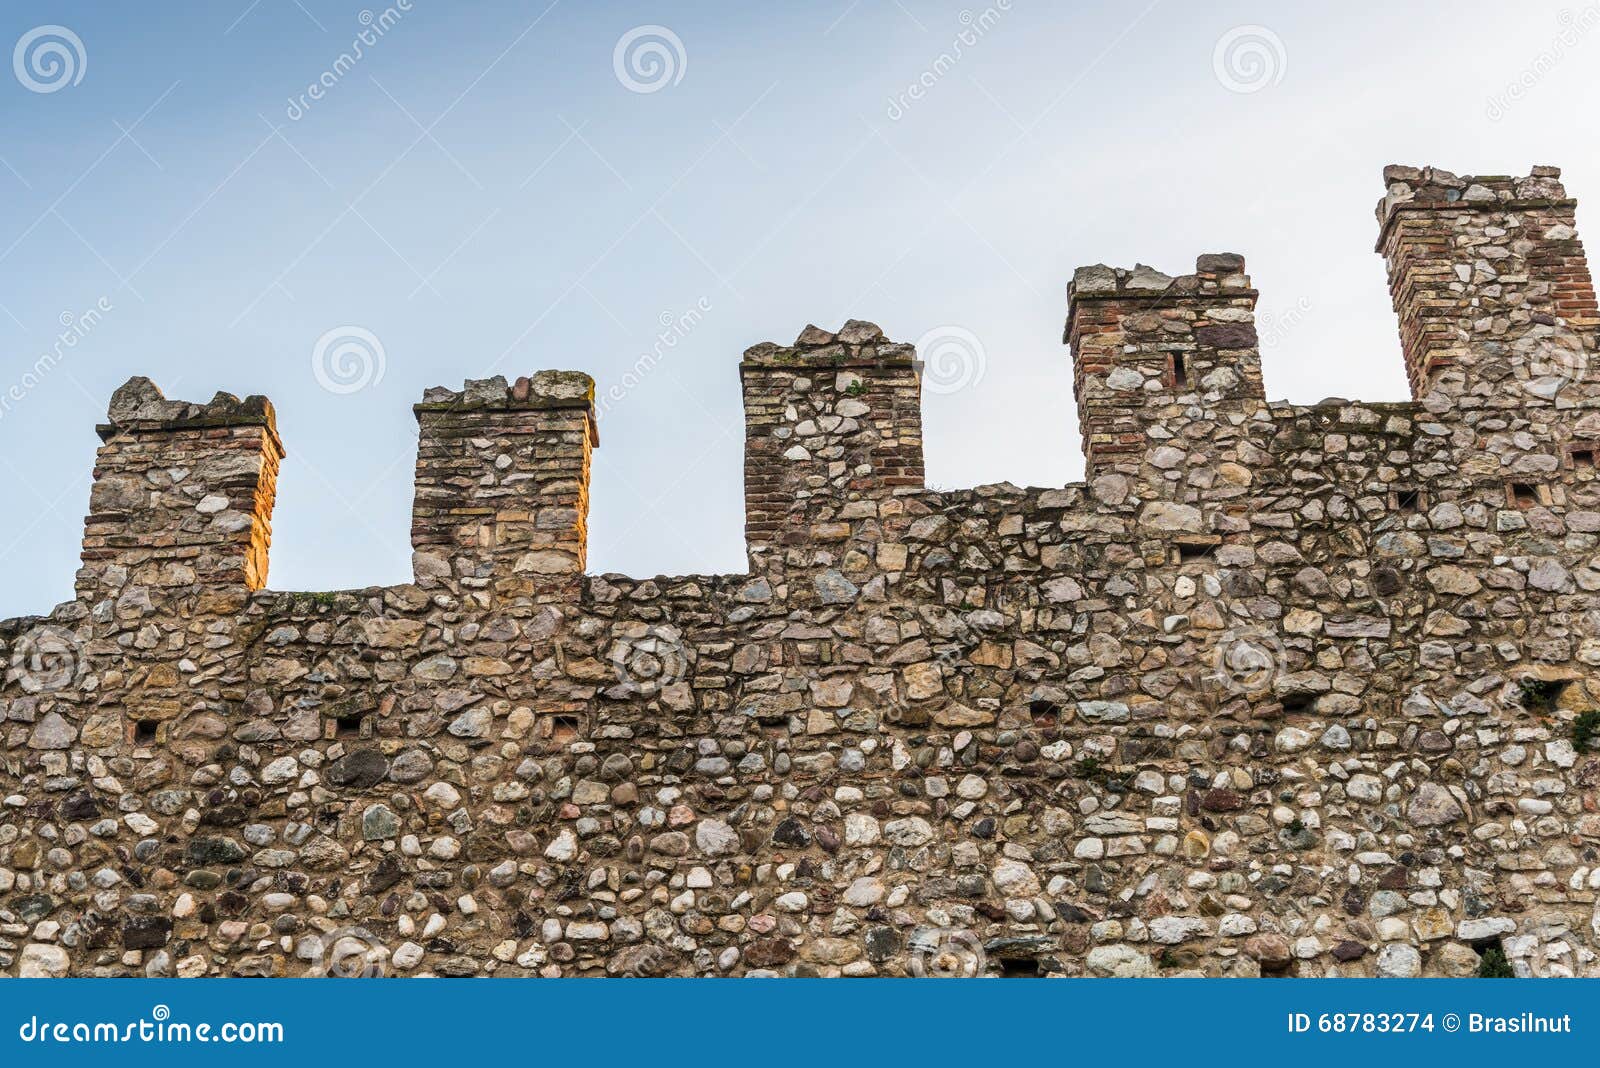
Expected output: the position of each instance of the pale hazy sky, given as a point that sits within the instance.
(502, 187)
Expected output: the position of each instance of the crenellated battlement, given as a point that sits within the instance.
(1489, 280)
(1277, 689)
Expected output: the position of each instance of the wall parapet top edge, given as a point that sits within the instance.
(1411, 189)
(541, 391)
(1218, 276)
(139, 405)
(857, 344)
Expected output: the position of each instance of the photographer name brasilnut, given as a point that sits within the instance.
(1525, 1023)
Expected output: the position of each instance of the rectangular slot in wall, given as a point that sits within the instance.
(564, 729)
(1542, 696)
(1020, 968)
(1177, 371)
(1298, 703)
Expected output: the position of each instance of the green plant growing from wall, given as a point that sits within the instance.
(1494, 965)
(1584, 730)
(1539, 696)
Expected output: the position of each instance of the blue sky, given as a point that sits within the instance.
(483, 192)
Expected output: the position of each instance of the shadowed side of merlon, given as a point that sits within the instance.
(1278, 689)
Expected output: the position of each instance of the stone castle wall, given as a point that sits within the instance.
(1279, 689)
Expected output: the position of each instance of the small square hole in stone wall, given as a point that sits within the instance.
(145, 731)
(1523, 495)
(1295, 704)
(1046, 713)
(1189, 553)
(564, 729)
(1177, 371)
(1542, 696)
(1020, 968)
(1407, 501)
(349, 725)
(1583, 458)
